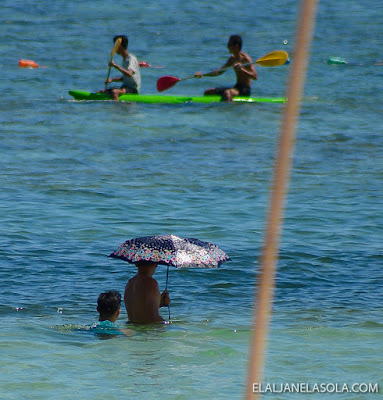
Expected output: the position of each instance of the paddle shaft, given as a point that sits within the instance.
(115, 48)
(219, 70)
(107, 78)
(232, 66)
(273, 56)
(259, 61)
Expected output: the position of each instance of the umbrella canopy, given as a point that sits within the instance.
(171, 250)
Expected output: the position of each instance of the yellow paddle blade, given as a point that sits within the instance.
(273, 59)
(116, 46)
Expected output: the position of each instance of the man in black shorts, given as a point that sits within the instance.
(244, 74)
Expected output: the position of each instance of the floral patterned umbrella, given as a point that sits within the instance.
(171, 250)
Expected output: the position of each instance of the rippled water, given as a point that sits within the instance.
(79, 178)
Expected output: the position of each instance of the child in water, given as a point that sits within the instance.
(109, 308)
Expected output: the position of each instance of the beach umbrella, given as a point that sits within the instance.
(171, 250)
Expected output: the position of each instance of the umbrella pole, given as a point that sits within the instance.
(281, 177)
(166, 287)
(167, 278)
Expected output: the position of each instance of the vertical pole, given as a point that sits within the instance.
(166, 287)
(282, 167)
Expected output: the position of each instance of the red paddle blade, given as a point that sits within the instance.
(166, 82)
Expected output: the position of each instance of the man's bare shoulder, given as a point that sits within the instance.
(131, 281)
(231, 60)
(147, 281)
(151, 283)
(245, 57)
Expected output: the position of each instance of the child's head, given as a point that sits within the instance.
(124, 40)
(109, 305)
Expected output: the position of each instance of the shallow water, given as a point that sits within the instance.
(79, 178)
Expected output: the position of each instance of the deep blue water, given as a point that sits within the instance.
(79, 178)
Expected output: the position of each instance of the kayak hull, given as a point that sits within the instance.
(171, 99)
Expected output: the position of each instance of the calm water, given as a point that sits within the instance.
(80, 178)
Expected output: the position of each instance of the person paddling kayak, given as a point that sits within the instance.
(131, 76)
(245, 74)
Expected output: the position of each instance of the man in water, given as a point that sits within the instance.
(131, 76)
(244, 74)
(142, 296)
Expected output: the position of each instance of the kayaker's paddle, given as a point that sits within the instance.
(116, 46)
(273, 59)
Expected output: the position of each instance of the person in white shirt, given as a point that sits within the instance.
(130, 69)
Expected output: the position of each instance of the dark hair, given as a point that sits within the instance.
(235, 40)
(144, 263)
(108, 303)
(124, 40)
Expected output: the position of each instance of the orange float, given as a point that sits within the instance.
(144, 64)
(28, 64)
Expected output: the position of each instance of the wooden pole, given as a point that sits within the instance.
(282, 167)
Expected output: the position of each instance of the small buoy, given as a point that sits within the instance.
(28, 64)
(336, 60)
(144, 64)
(285, 41)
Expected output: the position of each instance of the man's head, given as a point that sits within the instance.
(144, 263)
(147, 268)
(108, 305)
(124, 40)
(235, 40)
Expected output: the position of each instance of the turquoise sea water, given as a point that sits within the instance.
(79, 178)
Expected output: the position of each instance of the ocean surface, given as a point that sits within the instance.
(79, 178)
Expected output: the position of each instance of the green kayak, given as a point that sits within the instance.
(175, 99)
